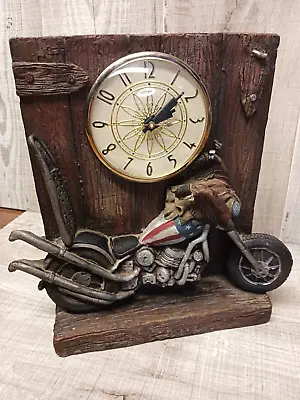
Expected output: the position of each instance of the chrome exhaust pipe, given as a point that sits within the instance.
(66, 255)
(35, 268)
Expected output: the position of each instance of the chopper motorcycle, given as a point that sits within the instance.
(86, 269)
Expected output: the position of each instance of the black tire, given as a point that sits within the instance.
(69, 303)
(278, 263)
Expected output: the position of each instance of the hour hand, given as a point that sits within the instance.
(165, 113)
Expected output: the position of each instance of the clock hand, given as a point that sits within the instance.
(170, 123)
(161, 124)
(165, 113)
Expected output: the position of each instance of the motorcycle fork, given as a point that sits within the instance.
(236, 238)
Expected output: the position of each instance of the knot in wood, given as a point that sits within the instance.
(29, 77)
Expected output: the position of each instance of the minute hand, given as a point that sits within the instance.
(166, 112)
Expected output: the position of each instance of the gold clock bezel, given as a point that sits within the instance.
(148, 55)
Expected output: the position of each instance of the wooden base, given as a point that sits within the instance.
(7, 215)
(213, 304)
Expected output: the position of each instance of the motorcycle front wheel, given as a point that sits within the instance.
(271, 253)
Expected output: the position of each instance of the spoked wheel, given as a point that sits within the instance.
(268, 259)
(66, 300)
(273, 256)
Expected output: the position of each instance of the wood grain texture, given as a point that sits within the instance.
(47, 79)
(7, 215)
(213, 305)
(31, 18)
(129, 17)
(291, 223)
(101, 199)
(50, 120)
(283, 116)
(108, 198)
(133, 16)
(262, 16)
(73, 17)
(256, 362)
(16, 180)
(241, 126)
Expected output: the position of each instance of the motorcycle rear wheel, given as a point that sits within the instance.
(271, 253)
(68, 302)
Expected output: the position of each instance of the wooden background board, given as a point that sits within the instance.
(256, 362)
(39, 18)
(101, 199)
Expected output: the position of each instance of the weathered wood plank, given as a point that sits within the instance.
(265, 16)
(253, 74)
(291, 222)
(16, 180)
(262, 17)
(240, 126)
(214, 304)
(102, 200)
(130, 16)
(48, 117)
(28, 19)
(75, 17)
(7, 215)
(84, 17)
(47, 79)
(112, 204)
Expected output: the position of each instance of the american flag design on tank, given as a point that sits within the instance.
(161, 232)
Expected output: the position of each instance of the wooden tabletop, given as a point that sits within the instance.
(7, 215)
(259, 362)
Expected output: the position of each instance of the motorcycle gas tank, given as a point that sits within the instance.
(162, 232)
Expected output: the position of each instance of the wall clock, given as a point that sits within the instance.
(148, 116)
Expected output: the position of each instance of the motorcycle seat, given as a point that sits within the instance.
(92, 237)
(122, 245)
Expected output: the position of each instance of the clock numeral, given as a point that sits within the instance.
(150, 73)
(198, 120)
(106, 96)
(99, 124)
(125, 79)
(171, 158)
(189, 145)
(126, 165)
(187, 98)
(175, 77)
(109, 148)
(149, 169)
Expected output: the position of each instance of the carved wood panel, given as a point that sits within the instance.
(101, 199)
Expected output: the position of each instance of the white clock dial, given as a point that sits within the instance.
(148, 116)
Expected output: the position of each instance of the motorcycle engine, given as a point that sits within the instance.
(161, 266)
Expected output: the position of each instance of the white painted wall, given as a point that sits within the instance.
(278, 199)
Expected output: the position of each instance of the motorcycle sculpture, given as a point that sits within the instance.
(86, 269)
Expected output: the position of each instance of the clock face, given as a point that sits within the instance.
(148, 116)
